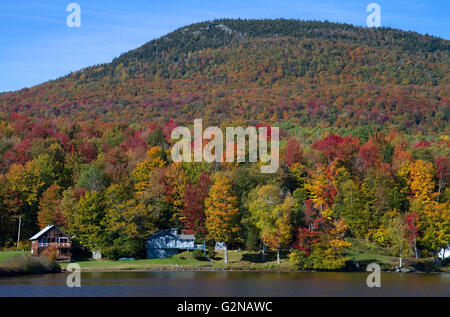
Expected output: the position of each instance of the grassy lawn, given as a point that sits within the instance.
(385, 261)
(182, 259)
(237, 260)
(366, 252)
(5, 255)
(251, 260)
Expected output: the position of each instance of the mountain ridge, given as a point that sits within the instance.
(241, 30)
(226, 66)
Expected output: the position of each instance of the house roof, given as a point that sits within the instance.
(186, 236)
(173, 232)
(40, 233)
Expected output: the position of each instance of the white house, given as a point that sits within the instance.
(444, 253)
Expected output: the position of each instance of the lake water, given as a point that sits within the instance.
(135, 284)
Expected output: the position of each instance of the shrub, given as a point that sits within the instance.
(425, 265)
(321, 258)
(446, 262)
(211, 254)
(298, 259)
(197, 254)
(122, 247)
(22, 264)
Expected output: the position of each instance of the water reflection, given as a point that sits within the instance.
(227, 283)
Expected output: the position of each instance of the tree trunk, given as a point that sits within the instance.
(400, 261)
(415, 248)
(18, 234)
(436, 259)
(263, 251)
(278, 256)
(441, 185)
(226, 254)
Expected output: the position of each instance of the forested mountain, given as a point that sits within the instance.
(317, 73)
(365, 143)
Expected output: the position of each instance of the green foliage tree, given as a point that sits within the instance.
(271, 211)
(127, 223)
(88, 220)
(92, 178)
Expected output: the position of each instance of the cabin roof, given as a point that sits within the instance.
(173, 233)
(186, 236)
(40, 233)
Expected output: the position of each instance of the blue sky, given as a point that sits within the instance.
(36, 45)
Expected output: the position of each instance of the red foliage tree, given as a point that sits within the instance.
(88, 151)
(20, 152)
(193, 213)
(442, 165)
(412, 229)
(369, 154)
(422, 143)
(49, 212)
(328, 146)
(135, 142)
(20, 123)
(312, 217)
(348, 149)
(293, 153)
(167, 129)
(306, 238)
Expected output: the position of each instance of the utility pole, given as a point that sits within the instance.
(18, 234)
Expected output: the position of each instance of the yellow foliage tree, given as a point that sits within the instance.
(175, 186)
(25, 181)
(421, 180)
(142, 172)
(222, 213)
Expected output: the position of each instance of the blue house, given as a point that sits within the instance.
(166, 243)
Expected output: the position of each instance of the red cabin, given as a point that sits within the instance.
(51, 238)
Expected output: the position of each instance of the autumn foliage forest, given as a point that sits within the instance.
(365, 144)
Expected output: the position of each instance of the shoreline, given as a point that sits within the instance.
(200, 269)
(185, 262)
